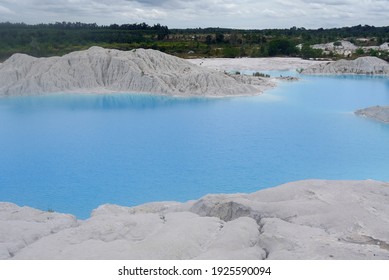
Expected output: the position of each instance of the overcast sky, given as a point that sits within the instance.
(255, 14)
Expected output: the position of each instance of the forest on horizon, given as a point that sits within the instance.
(43, 40)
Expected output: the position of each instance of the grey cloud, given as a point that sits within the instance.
(4, 10)
(169, 4)
(330, 2)
(151, 2)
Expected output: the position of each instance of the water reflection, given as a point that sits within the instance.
(117, 101)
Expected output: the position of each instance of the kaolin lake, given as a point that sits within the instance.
(71, 153)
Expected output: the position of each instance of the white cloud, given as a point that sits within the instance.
(270, 13)
(5, 10)
(142, 14)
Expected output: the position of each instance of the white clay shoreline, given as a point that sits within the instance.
(313, 219)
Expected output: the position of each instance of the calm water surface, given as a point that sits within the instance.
(72, 153)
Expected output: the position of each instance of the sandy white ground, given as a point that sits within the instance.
(254, 64)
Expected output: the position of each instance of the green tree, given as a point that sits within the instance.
(208, 39)
(281, 47)
(219, 38)
(231, 52)
(359, 52)
(263, 51)
(337, 44)
(308, 52)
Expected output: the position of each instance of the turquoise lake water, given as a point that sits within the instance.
(71, 153)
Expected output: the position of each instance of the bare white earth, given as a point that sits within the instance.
(254, 64)
(313, 219)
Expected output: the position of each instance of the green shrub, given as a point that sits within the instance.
(258, 74)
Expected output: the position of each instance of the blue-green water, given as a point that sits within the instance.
(72, 153)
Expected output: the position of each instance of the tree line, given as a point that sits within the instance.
(58, 38)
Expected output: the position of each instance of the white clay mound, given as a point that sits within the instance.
(379, 113)
(107, 70)
(363, 65)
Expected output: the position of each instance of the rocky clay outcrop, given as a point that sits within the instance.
(312, 219)
(347, 48)
(106, 70)
(363, 65)
(379, 113)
